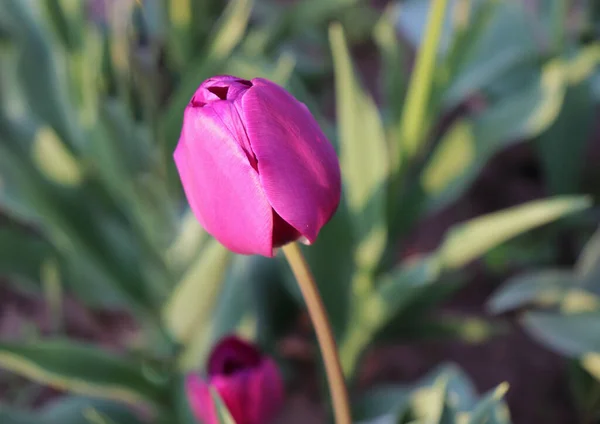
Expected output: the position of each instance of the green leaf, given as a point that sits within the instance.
(431, 404)
(67, 18)
(413, 124)
(394, 67)
(223, 414)
(561, 161)
(572, 335)
(189, 309)
(229, 30)
(389, 401)
(42, 86)
(363, 153)
(236, 309)
(588, 265)
(521, 113)
(73, 410)
(22, 253)
(467, 241)
(547, 287)
(394, 293)
(489, 406)
(495, 44)
(81, 369)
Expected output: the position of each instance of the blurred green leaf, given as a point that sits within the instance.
(561, 161)
(67, 18)
(431, 404)
(394, 67)
(588, 265)
(490, 406)
(189, 309)
(495, 43)
(413, 124)
(388, 401)
(190, 238)
(246, 298)
(364, 164)
(22, 253)
(180, 401)
(546, 287)
(72, 410)
(394, 292)
(465, 242)
(81, 369)
(470, 20)
(229, 30)
(42, 84)
(523, 112)
(569, 334)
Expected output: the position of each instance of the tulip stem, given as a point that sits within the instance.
(318, 316)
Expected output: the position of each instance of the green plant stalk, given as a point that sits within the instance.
(318, 316)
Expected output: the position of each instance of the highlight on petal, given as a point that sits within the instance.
(222, 187)
(297, 165)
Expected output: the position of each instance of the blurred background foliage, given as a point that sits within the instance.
(420, 98)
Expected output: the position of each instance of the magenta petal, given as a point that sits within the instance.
(266, 391)
(297, 165)
(253, 396)
(222, 187)
(234, 393)
(232, 354)
(200, 400)
(220, 87)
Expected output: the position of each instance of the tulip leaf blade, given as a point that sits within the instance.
(467, 241)
(72, 410)
(547, 287)
(573, 334)
(188, 310)
(81, 369)
(223, 414)
(364, 156)
(414, 114)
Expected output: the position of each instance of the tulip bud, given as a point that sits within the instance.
(249, 384)
(256, 168)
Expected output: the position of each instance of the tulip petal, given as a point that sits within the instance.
(222, 187)
(200, 400)
(232, 354)
(297, 165)
(234, 392)
(217, 88)
(266, 391)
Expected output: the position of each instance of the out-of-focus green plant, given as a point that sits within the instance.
(446, 395)
(90, 114)
(397, 168)
(561, 309)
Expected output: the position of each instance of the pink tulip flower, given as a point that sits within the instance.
(256, 169)
(249, 384)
